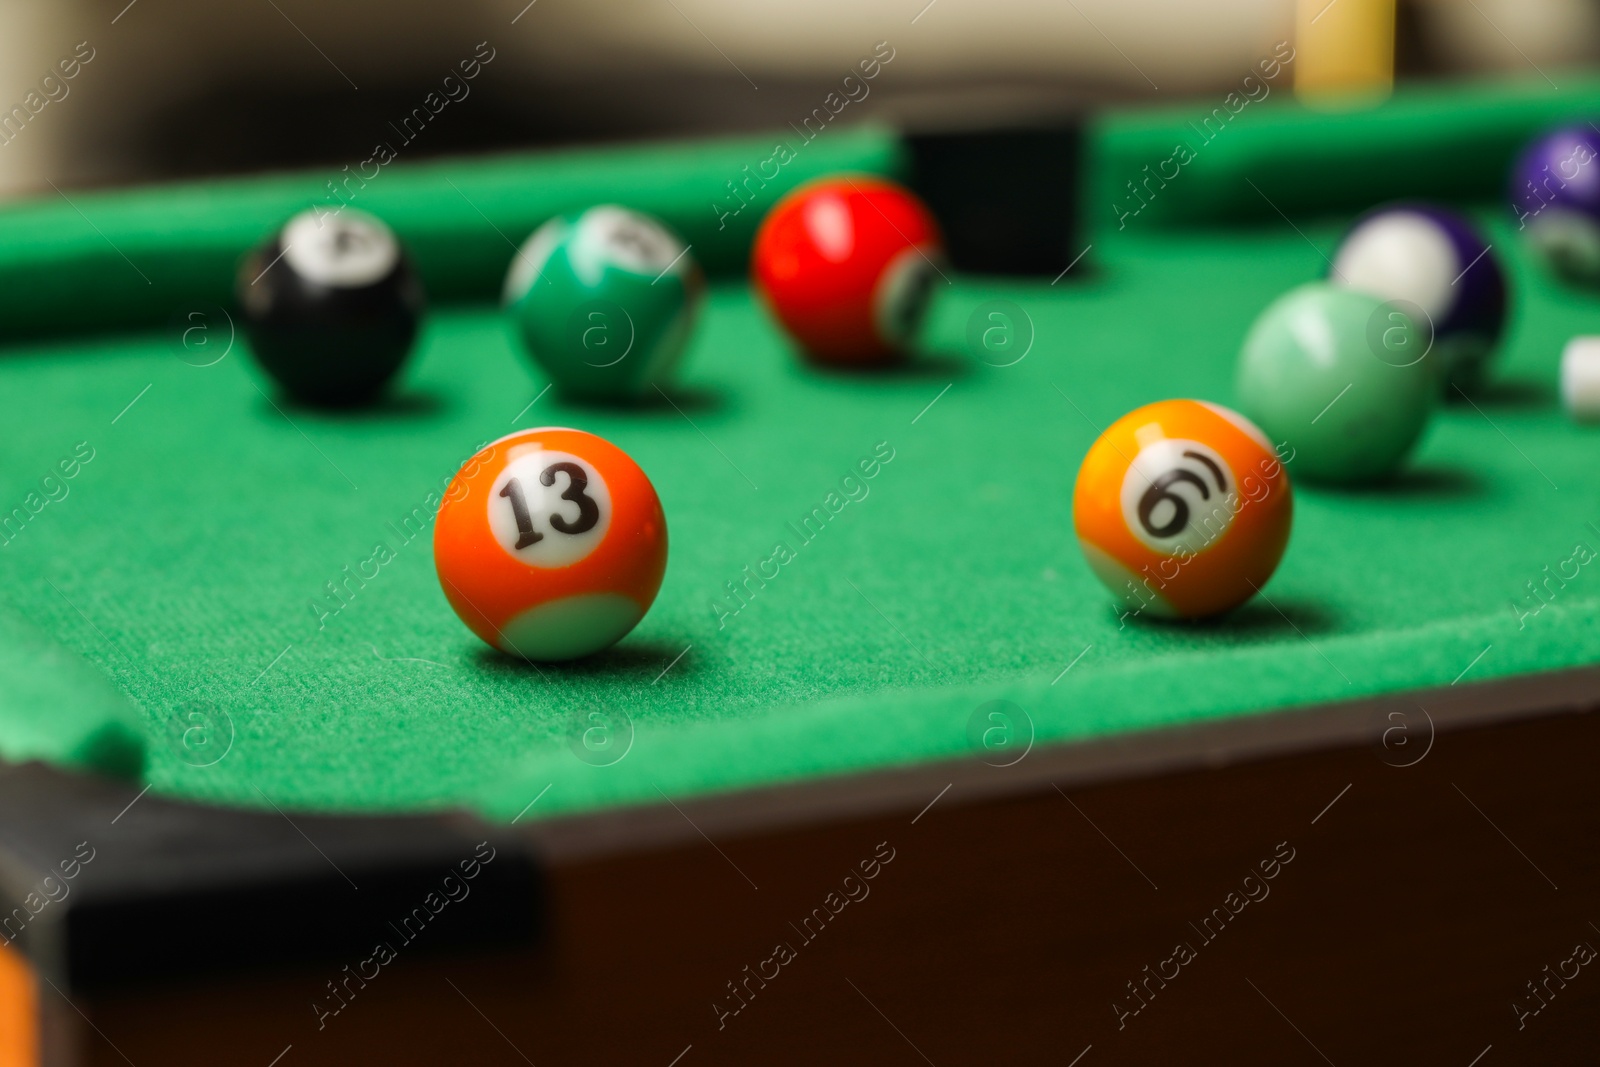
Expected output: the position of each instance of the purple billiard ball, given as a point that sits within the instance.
(1434, 261)
(1555, 194)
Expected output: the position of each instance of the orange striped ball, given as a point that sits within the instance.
(1183, 509)
(550, 544)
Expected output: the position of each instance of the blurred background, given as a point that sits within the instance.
(181, 88)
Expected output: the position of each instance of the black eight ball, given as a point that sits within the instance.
(331, 306)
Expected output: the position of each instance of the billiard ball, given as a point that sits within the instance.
(1555, 194)
(1446, 277)
(331, 306)
(1580, 378)
(1340, 378)
(550, 544)
(846, 265)
(604, 302)
(1182, 509)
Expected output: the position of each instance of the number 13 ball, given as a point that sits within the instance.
(550, 544)
(1182, 509)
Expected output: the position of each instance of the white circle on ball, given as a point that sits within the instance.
(346, 250)
(528, 266)
(900, 301)
(1401, 255)
(549, 509)
(611, 236)
(1179, 496)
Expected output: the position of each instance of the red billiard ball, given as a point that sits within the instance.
(550, 544)
(846, 265)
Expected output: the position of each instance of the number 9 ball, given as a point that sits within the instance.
(1182, 509)
(550, 544)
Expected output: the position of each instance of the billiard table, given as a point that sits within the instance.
(884, 775)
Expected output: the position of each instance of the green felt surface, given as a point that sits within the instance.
(146, 254)
(189, 552)
(56, 706)
(1259, 161)
(189, 559)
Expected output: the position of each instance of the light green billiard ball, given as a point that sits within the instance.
(604, 302)
(1342, 379)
